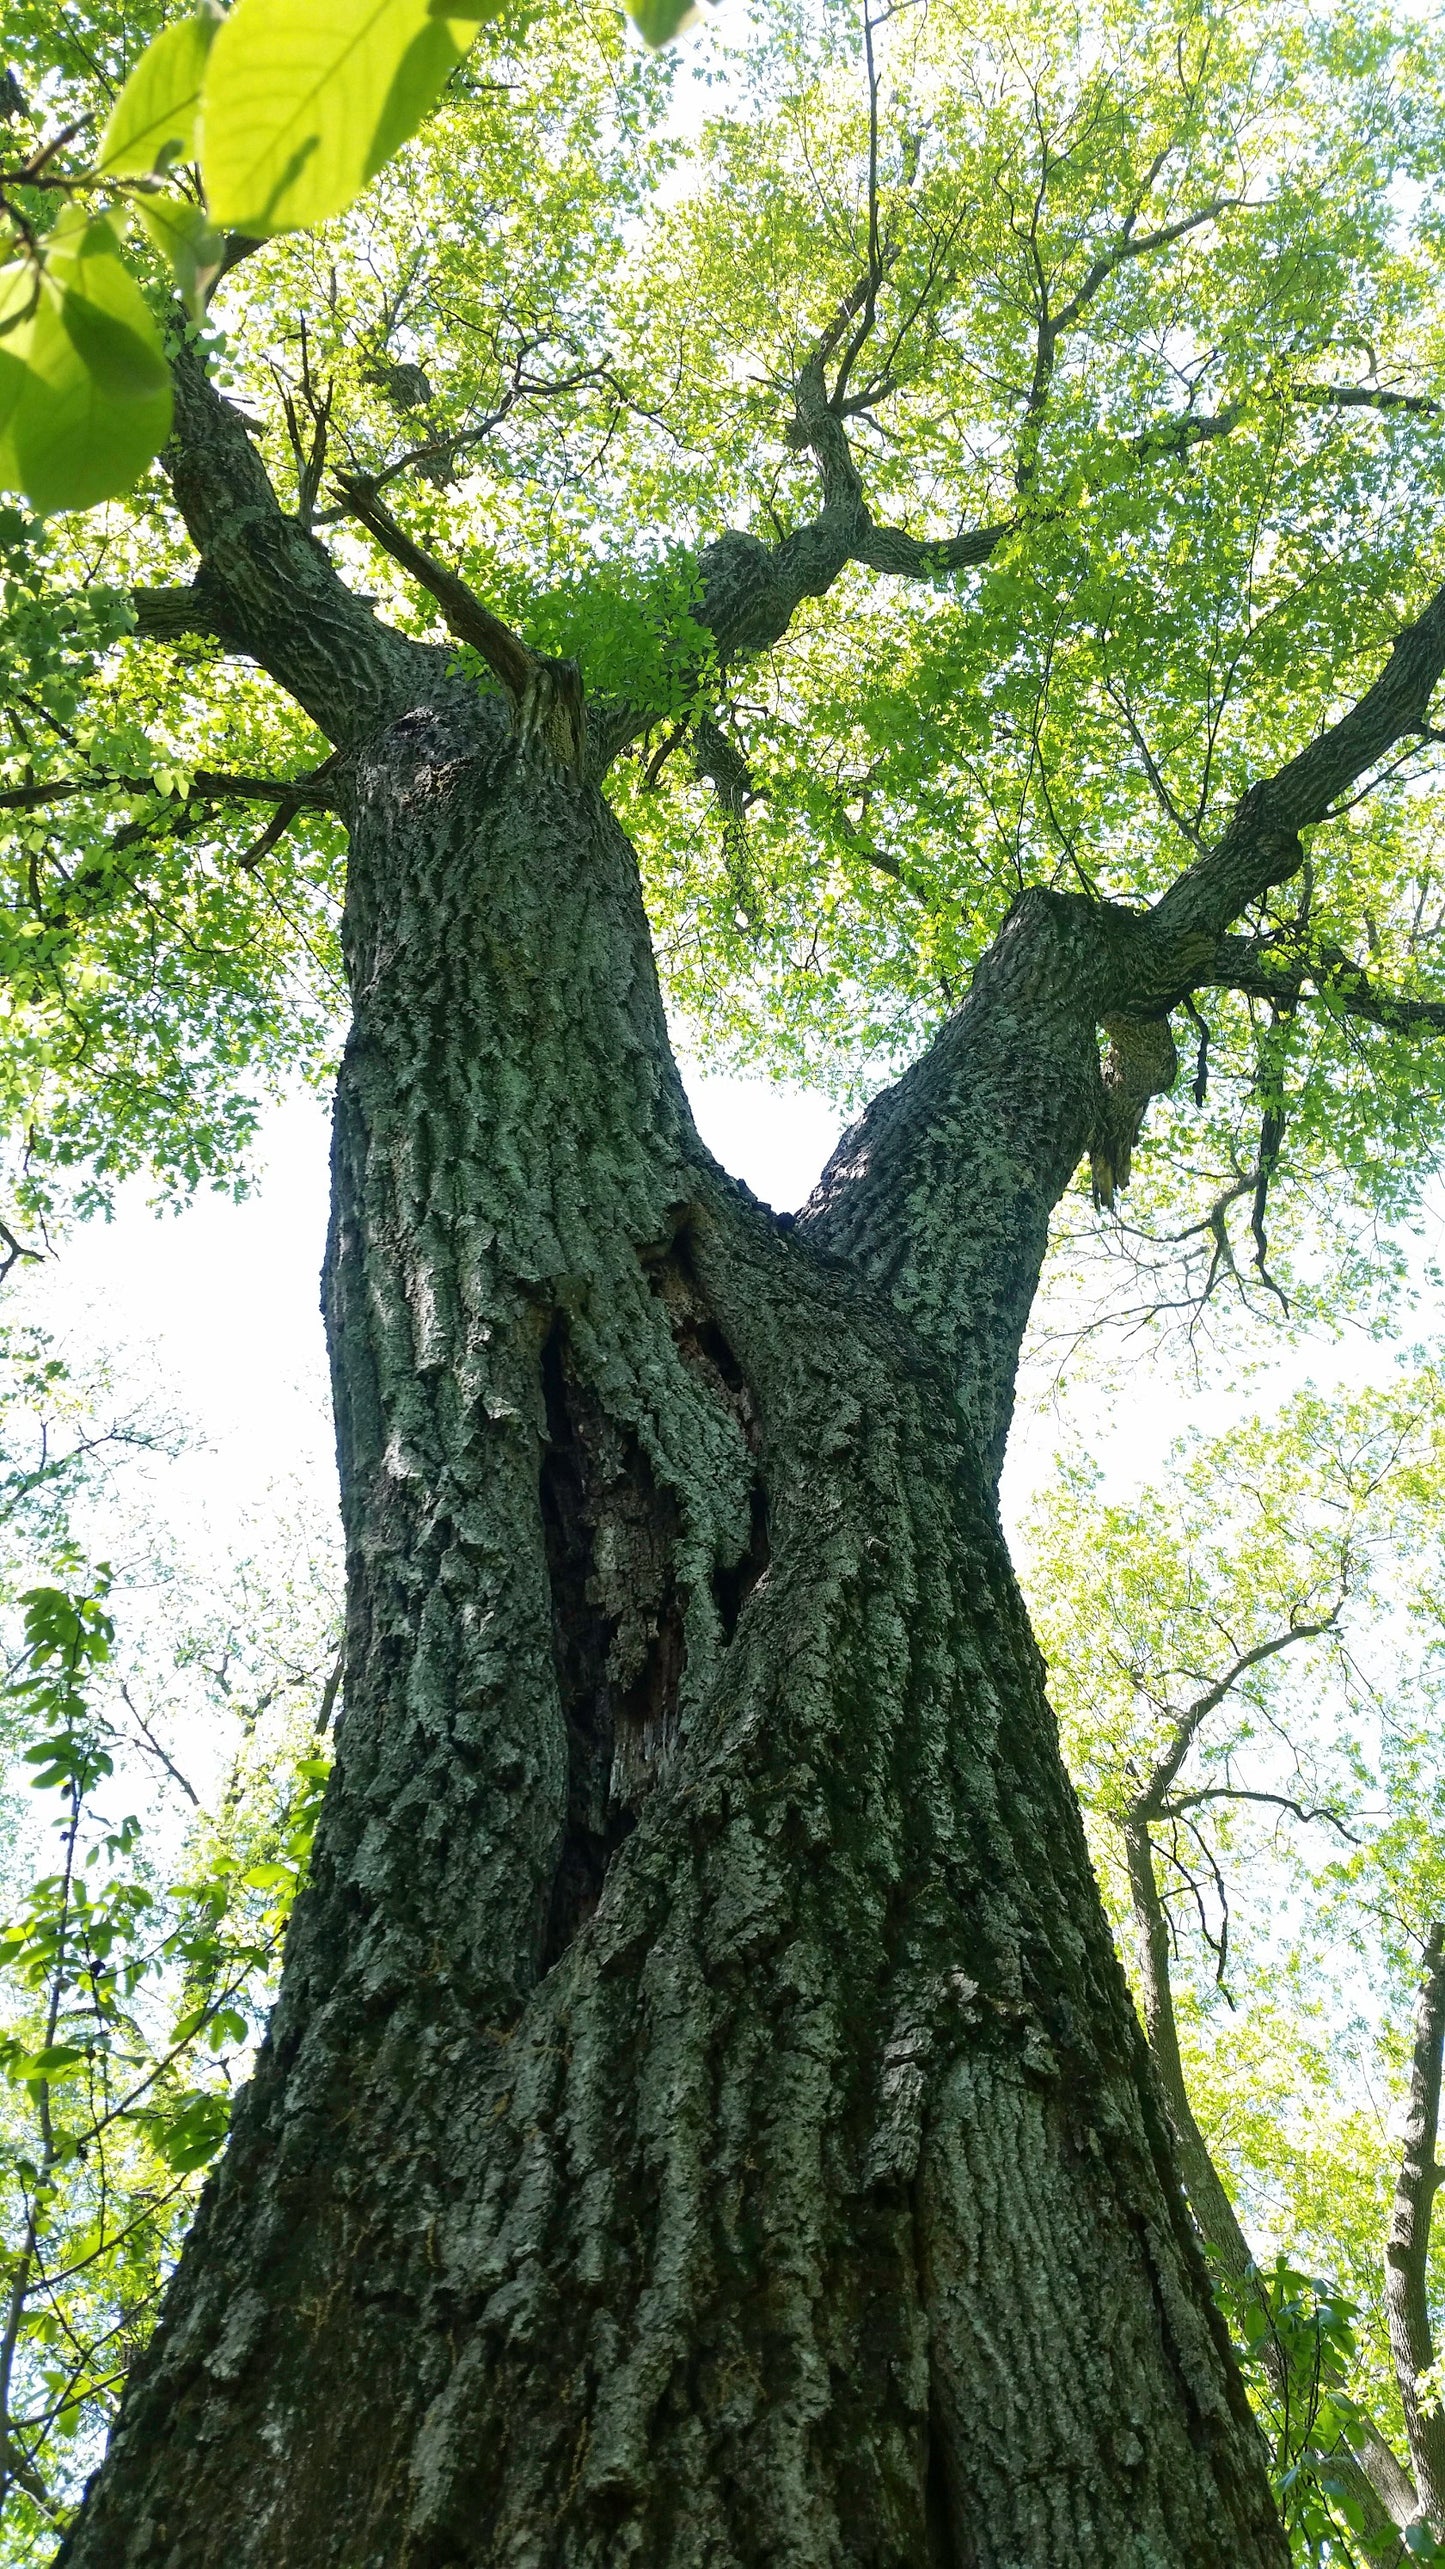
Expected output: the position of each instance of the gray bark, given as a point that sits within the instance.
(703, 2120)
(1407, 2248)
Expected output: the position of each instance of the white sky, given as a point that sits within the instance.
(219, 1303)
(226, 1296)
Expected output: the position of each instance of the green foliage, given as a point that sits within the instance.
(140, 1947)
(85, 397)
(153, 122)
(286, 111)
(1299, 1849)
(130, 2006)
(154, 991)
(563, 324)
(300, 107)
(658, 21)
(1295, 2340)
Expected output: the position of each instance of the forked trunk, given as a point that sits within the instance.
(703, 2121)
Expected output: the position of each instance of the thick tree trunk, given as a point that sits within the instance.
(703, 2121)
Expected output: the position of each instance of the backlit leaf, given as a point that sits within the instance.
(153, 122)
(658, 21)
(302, 106)
(184, 234)
(18, 289)
(94, 404)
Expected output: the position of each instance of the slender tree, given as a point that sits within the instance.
(1215, 1731)
(703, 2118)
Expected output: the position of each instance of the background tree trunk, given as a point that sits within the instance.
(703, 2121)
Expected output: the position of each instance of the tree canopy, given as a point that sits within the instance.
(1131, 324)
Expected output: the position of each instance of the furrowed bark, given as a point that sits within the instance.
(266, 586)
(703, 2120)
(1407, 2249)
(942, 1194)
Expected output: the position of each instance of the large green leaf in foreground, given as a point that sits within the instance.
(153, 122)
(92, 403)
(302, 106)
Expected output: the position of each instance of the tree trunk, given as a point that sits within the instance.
(1407, 2248)
(703, 2121)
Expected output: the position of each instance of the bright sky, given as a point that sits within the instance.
(225, 1299)
(227, 1295)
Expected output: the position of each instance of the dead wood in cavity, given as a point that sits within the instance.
(612, 1534)
(705, 1350)
(1141, 1063)
(617, 1627)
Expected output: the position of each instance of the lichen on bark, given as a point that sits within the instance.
(703, 2119)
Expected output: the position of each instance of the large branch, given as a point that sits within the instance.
(1053, 326)
(205, 785)
(1261, 971)
(181, 614)
(544, 695)
(266, 587)
(943, 1193)
(1261, 846)
(1150, 1802)
(752, 590)
(1408, 2247)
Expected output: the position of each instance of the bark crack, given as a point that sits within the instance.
(614, 1535)
(706, 1351)
(617, 1631)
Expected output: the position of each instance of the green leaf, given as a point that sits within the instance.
(19, 280)
(19, 285)
(193, 2135)
(302, 106)
(153, 122)
(184, 234)
(125, 366)
(94, 405)
(55, 2062)
(658, 21)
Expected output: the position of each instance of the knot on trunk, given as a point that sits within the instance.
(1140, 1063)
(550, 714)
